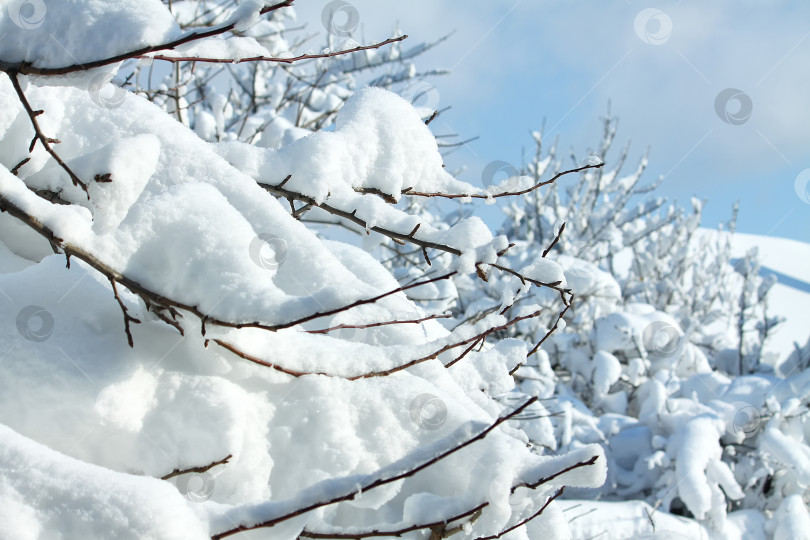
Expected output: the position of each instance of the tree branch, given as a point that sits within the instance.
(198, 470)
(289, 60)
(27, 68)
(39, 136)
(474, 512)
(524, 521)
(380, 481)
(499, 195)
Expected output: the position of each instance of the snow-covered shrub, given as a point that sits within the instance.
(271, 104)
(185, 356)
(660, 357)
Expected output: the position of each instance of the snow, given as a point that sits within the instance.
(90, 423)
(362, 152)
(639, 404)
(42, 489)
(44, 33)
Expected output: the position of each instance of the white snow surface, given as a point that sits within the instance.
(44, 33)
(88, 425)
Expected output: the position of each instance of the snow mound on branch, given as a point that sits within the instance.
(45, 35)
(380, 146)
(379, 142)
(586, 279)
(185, 223)
(41, 491)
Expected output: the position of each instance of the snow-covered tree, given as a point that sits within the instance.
(185, 353)
(660, 354)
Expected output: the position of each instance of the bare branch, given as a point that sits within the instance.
(155, 299)
(376, 324)
(409, 237)
(505, 194)
(382, 373)
(127, 317)
(198, 470)
(26, 68)
(524, 521)
(39, 136)
(380, 481)
(289, 60)
(547, 479)
(554, 242)
(553, 328)
(474, 512)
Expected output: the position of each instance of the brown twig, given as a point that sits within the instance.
(198, 470)
(155, 299)
(376, 324)
(474, 512)
(125, 310)
(382, 373)
(16, 169)
(526, 520)
(499, 195)
(553, 329)
(289, 60)
(465, 353)
(250, 358)
(380, 481)
(39, 136)
(410, 237)
(432, 117)
(554, 242)
(547, 479)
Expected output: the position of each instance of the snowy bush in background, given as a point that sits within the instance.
(183, 356)
(661, 355)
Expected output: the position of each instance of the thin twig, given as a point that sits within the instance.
(125, 310)
(378, 482)
(39, 136)
(376, 324)
(26, 68)
(505, 194)
(554, 242)
(198, 470)
(524, 521)
(548, 334)
(474, 512)
(289, 60)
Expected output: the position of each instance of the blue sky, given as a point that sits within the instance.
(667, 68)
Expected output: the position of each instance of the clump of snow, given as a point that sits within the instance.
(44, 33)
(42, 491)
